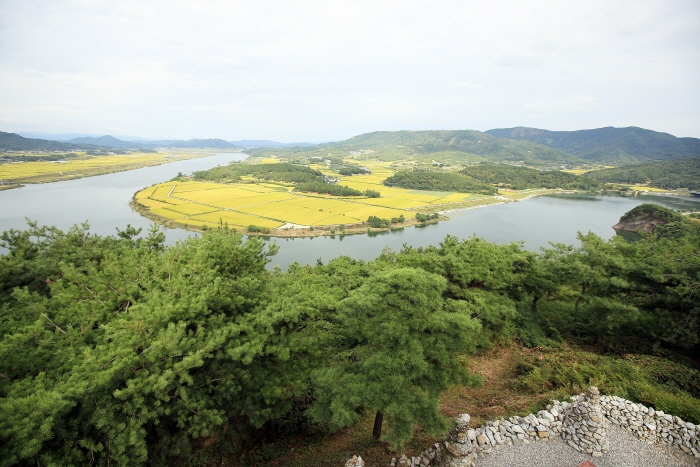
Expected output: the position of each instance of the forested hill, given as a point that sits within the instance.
(682, 173)
(615, 146)
(14, 142)
(467, 141)
(521, 178)
(442, 145)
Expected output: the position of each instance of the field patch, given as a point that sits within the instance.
(269, 204)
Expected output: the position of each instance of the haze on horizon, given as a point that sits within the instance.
(323, 71)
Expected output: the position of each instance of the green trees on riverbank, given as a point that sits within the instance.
(120, 349)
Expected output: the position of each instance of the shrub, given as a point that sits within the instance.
(257, 229)
(377, 222)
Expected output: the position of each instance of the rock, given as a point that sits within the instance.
(355, 461)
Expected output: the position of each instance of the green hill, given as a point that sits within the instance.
(521, 178)
(445, 146)
(681, 173)
(439, 181)
(616, 146)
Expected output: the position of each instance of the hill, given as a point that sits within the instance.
(107, 141)
(443, 146)
(14, 142)
(439, 181)
(522, 178)
(682, 173)
(111, 141)
(465, 141)
(616, 146)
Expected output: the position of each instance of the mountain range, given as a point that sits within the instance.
(610, 146)
(614, 146)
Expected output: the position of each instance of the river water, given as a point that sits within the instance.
(103, 201)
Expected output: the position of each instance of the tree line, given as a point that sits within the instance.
(522, 178)
(283, 172)
(120, 349)
(674, 174)
(439, 181)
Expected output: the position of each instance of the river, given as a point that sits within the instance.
(103, 201)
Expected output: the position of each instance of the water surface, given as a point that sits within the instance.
(103, 201)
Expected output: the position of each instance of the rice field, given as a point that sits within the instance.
(272, 205)
(22, 170)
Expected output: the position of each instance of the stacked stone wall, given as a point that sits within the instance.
(581, 423)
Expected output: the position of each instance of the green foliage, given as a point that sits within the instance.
(441, 181)
(423, 218)
(277, 172)
(674, 174)
(377, 222)
(372, 194)
(353, 170)
(521, 178)
(398, 220)
(327, 188)
(119, 349)
(651, 212)
(399, 337)
(258, 229)
(653, 381)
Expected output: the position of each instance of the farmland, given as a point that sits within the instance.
(200, 204)
(83, 165)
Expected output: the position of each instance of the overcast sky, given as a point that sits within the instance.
(326, 70)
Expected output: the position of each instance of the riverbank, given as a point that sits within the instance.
(109, 167)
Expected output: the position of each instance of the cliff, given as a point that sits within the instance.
(646, 217)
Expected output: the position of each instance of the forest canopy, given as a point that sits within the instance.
(522, 178)
(121, 349)
(290, 173)
(439, 181)
(674, 174)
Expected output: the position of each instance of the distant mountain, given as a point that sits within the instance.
(15, 142)
(193, 143)
(265, 143)
(109, 141)
(615, 146)
(69, 136)
(466, 141)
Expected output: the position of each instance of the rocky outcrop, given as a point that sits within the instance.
(645, 225)
(646, 217)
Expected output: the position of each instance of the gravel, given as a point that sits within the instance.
(626, 450)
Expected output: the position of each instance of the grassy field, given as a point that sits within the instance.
(43, 171)
(270, 205)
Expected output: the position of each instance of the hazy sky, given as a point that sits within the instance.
(327, 70)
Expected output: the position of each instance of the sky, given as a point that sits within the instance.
(327, 70)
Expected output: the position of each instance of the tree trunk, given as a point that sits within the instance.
(378, 419)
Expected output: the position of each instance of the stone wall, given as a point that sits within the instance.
(581, 423)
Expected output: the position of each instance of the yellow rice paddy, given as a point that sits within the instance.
(20, 170)
(273, 205)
